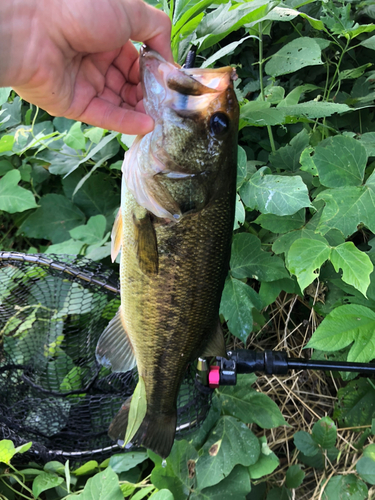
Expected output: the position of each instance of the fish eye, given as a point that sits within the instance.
(219, 123)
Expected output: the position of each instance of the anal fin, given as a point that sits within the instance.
(216, 344)
(147, 249)
(114, 349)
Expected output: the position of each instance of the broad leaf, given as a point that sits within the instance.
(342, 486)
(311, 110)
(288, 157)
(245, 403)
(125, 461)
(260, 114)
(324, 433)
(348, 206)
(228, 49)
(294, 476)
(305, 257)
(249, 260)
(346, 325)
(356, 404)
(54, 219)
(87, 468)
(368, 141)
(284, 242)
(14, 198)
(92, 232)
(266, 463)
(340, 161)
(295, 55)
(305, 443)
(162, 495)
(8, 450)
(236, 486)
(103, 486)
(45, 481)
(281, 224)
(75, 138)
(178, 474)
(237, 302)
(356, 265)
(230, 443)
(275, 194)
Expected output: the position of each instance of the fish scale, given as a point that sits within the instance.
(175, 228)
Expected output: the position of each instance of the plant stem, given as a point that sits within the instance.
(261, 61)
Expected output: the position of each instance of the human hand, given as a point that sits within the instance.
(74, 58)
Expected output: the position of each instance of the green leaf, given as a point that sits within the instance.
(305, 443)
(312, 110)
(98, 195)
(266, 463)
(366, 469)
(275, 194)
(346, 486)
(340, 161)
(324, 433)
(294, 476)
(249, 260)
(162, 495)
(305, 257)
(126, 461)
(346, 325)
(68, 247)
(356, 265)
(230, 443)
(6, 143)
(14, 198)
(260, 114)
(227, 49)
(288, 157)
(281, 224)
(103, 486)
(237, 302)
(87, 468)
(369, 43)
(348, 74)
(143, 492)
(346, 207)
(356, 404)
(75, 138)
(45, 481)
(94, 134)
(4, 94)
(137, 411)
(270, 291)
(284, 242)
(176, 475)
(297, 54)
(236, 486)
(368, 141)
(53, 220)
(7, 450)
(62, 161)
(246, 404)
(92, 232)
(307, 161)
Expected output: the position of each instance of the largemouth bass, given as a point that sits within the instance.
(175, 226)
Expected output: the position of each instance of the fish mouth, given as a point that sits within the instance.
(164, 82)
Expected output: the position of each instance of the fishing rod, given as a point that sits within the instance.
(270, 362)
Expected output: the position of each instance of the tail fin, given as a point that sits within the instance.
(156, 432)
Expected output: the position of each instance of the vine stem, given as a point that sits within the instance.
(261, 61)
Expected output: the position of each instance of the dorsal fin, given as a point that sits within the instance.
(114, 349)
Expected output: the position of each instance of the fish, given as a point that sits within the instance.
(174, 229)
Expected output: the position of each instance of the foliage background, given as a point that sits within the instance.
(303, 246)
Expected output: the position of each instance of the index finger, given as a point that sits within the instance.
(150, 26)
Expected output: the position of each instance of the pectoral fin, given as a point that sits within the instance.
(145, 237)
(114, 349)
(116, 236)
(216, 345)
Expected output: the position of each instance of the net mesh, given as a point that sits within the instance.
(53, 392)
